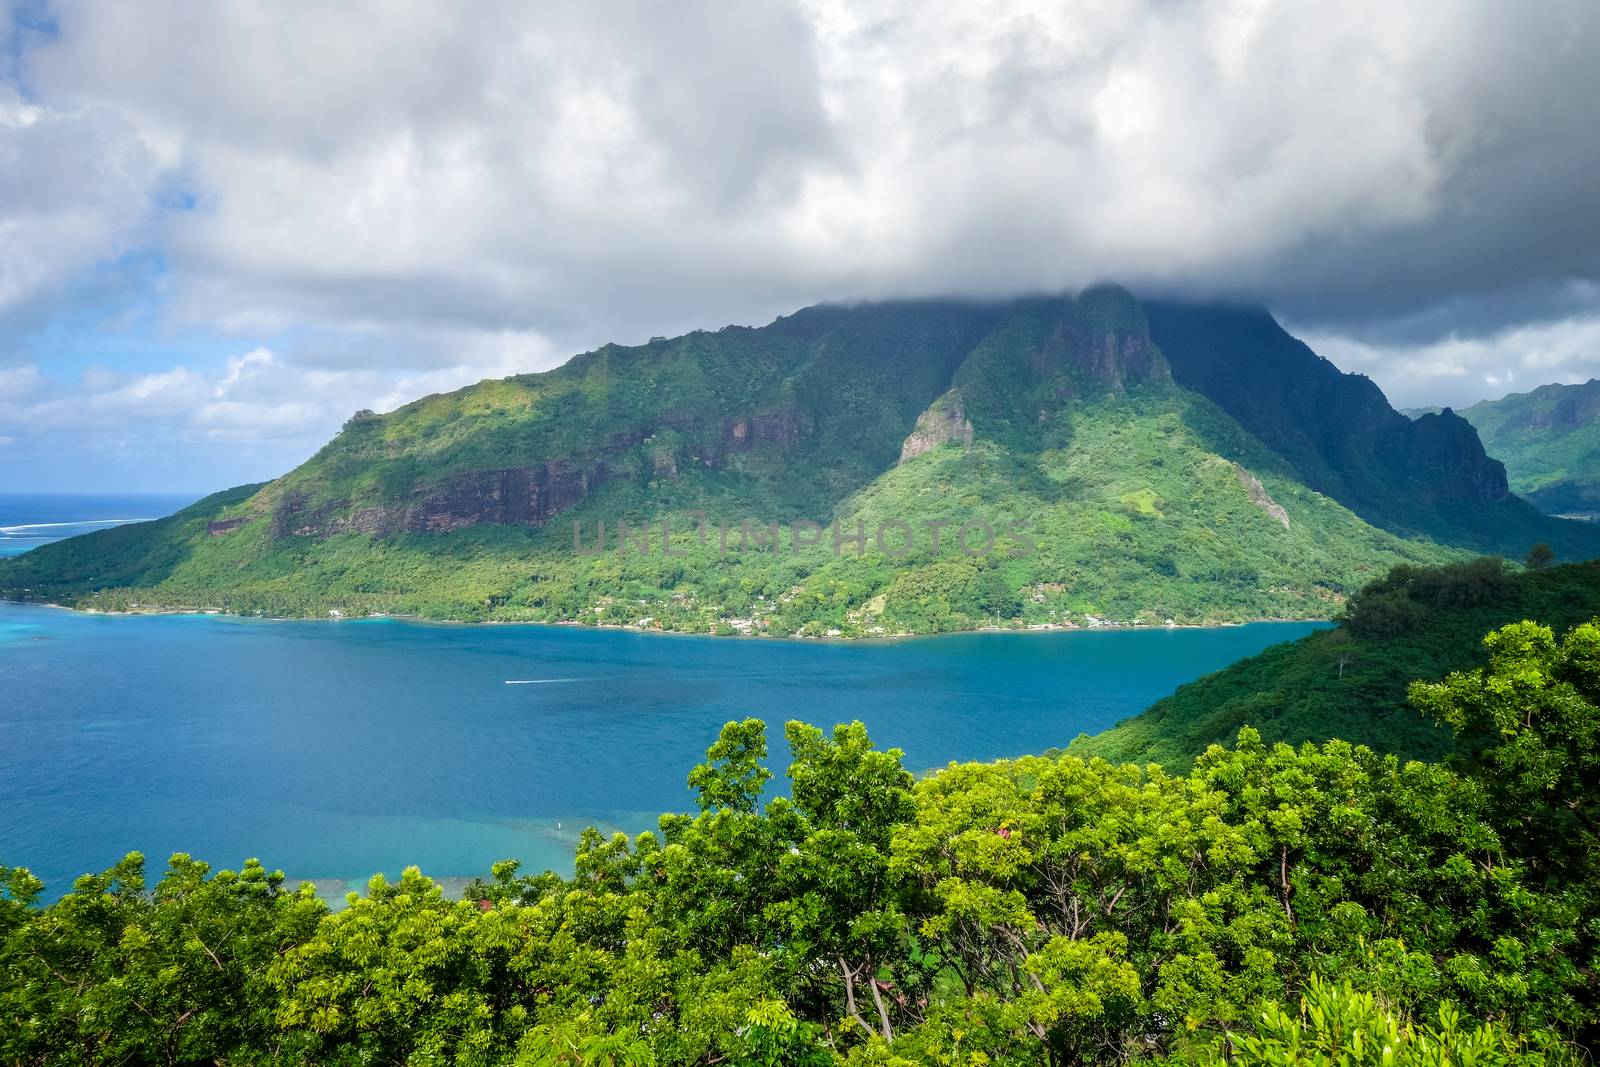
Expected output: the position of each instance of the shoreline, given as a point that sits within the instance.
(419, 620)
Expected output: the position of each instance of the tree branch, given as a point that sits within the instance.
(850, 995)
(883, 1012)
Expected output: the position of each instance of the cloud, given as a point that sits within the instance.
(573, 169)
(19, 382)
(392, 194)
(1459, 371)
(75, 186)
(259, 411)
(493, 168)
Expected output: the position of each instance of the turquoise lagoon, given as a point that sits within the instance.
(334, 750)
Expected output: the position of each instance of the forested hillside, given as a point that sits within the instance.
(1425, 477)
(1350, 682)
(927, 465)
(1271, 905)
(1549, 440)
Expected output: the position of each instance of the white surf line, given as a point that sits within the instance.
(58, 525)
(539, 681)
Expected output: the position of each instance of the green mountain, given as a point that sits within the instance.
(1350, 682)
(1549, 440)
(880, 468)
(1424, 477)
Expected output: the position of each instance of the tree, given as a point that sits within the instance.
(1531, 718)
(1540, 556)
(847, 903)
(1041, 911)
(397, 976)
(732, 776)
(1337, 1024)
(112, 973)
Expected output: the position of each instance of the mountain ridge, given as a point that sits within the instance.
(1155, 485)
(1549, 439)
(1327, 423)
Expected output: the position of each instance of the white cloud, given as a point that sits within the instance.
(257, 403)
(75, 189)
(586, 171)
(394, 196)
(1459, 371)
(19, 382)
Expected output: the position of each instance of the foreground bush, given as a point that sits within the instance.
(1338, 1026)
(1032, 911)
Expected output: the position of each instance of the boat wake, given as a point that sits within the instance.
(539, 681)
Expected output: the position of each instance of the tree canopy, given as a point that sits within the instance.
(1324, 904)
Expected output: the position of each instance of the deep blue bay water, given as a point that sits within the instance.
(333, 750)
(336, 749)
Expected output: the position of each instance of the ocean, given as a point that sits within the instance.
(28, 520)
(333, 750)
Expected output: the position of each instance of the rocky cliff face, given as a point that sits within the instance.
(1444, 460)
(1260, 497)
(945, 421)
(529, 495)
(1098, 343)
(768, 427)
(1046, 355)
(1113, 359)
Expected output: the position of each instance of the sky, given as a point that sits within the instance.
(224, 227)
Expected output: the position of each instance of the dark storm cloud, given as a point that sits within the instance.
(393, 196)
(1517, 211)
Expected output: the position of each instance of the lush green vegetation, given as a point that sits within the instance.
(1427, 477)
(1137, 516)
(1115, 494)
(1549, 440)
(1350, 682)
(1322, 905)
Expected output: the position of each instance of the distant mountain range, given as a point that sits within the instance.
(1083, 460)
(1549, 440)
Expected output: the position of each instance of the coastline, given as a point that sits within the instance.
(420, 620)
